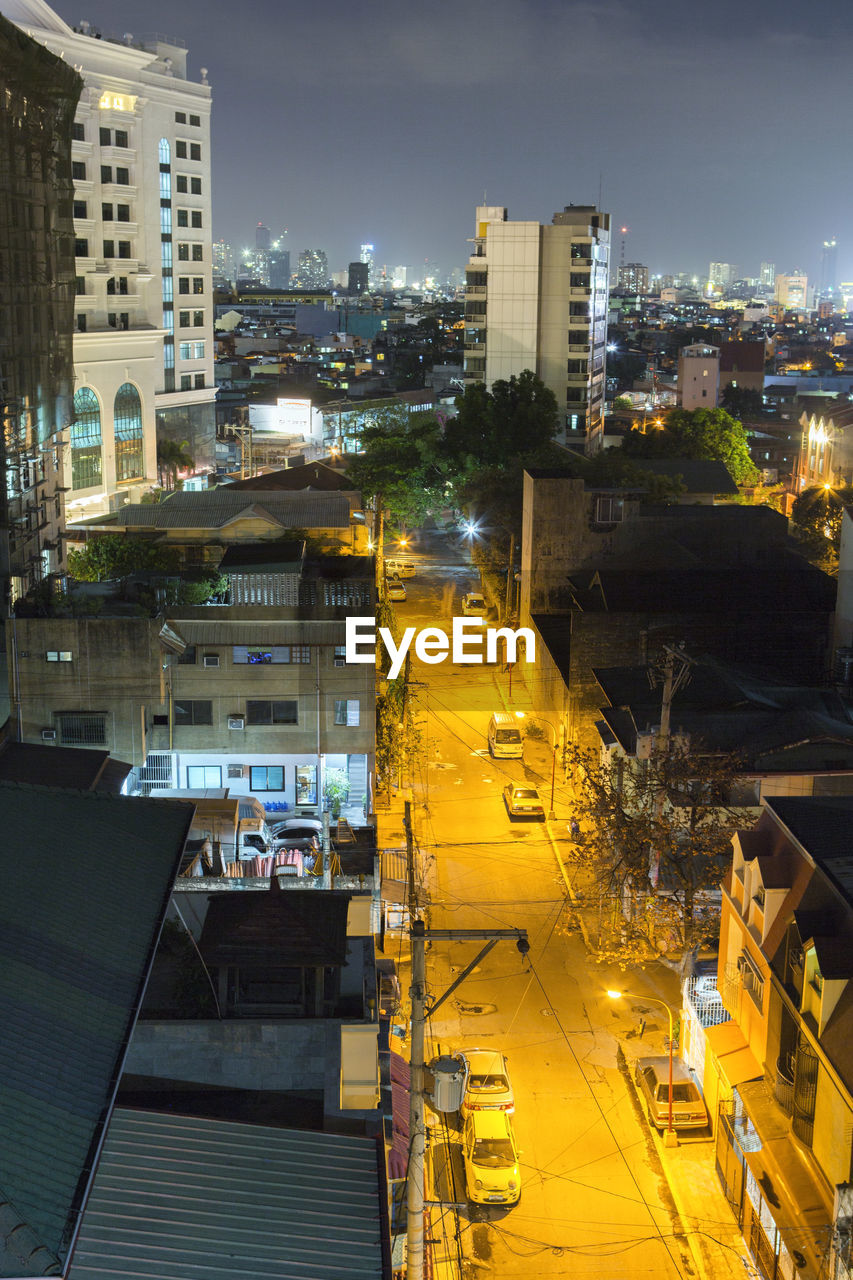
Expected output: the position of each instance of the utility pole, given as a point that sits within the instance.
(417, 1136)
(509, 577)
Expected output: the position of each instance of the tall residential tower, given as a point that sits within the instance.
(536, 298)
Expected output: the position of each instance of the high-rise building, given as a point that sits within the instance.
(263, 237)
(792, 290)
(223, 260)
(398, 277)
(722, 274)
(828, 277)
(38, 97)
(279, 265)
(633, 277)
(367, 257)
(767, 275)
(143, 345)
(536, 298)
(312, 271)
(357, 279)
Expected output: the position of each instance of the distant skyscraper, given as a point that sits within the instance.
(722, 274)
(367, 256)
(357, 280)
(313, 269)
(634, 277)
(828, 277)
(536, 298)
(279, 266)
(767, 274)
(222, 259)
(792, 290)
(262, 237)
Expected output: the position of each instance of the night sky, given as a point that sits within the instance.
(715, 131)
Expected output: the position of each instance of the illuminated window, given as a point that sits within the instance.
(85, 439)
(127, 423)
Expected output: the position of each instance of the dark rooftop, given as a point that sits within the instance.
(281, 927)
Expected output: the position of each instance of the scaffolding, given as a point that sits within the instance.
(38, 97)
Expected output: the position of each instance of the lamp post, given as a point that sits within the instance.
(536, 720)
(670, 1137)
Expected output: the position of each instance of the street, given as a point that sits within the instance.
(595, 1201)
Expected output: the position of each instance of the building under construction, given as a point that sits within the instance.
(38, 98)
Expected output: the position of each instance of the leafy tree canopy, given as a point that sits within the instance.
(518, 417)
(114, 555)
(697, 433)
(742, 402)
(817, 516)
(399, 462)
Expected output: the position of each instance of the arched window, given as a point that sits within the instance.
(85, 440)
(165, 151)
(127, 426)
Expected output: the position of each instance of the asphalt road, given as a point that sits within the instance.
(594, 1198)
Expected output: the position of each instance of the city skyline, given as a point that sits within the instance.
(688, 137)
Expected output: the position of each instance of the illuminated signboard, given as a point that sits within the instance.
(116, 102)
(294, 417)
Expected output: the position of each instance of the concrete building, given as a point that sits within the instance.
(366, 256)
(698, 376)
(792, 291)
(279, 266)
(38, 97)
(722, 274)
(767, 275)
(536, 298)
(357, 278)
(828, 276)
(742, 365)
(633, 277)
(312, 270)
(143, 346)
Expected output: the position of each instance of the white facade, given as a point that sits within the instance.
(536, 298)
(698, 376)
(143, 346)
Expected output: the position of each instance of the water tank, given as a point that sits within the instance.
(448, 1076)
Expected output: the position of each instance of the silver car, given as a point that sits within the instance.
(652, 1079)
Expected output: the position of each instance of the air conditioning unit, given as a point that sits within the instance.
(48, 735)
(235, 771)
(236, 722)
(212, 660)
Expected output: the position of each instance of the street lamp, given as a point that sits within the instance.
(670, 1137)
(521, 716)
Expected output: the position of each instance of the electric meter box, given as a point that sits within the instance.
(448, 1075)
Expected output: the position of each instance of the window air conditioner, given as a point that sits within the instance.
(235, 771)
(48, 735)
(236, 722)
(211, 659)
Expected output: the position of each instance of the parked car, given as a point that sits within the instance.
(523, 802)
(395, 589)
(487, 1082)
(297, 829)
(474, 604)
(491, 1158)
(652, 1079)
(504, 737)
(399, 568)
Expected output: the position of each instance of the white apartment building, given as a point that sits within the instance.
(143, 344)
(536, 298)
(698, 376)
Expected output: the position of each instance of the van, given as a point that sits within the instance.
(399, 568)
(505, 740)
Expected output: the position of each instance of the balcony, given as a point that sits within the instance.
(579, 346)
(784, 1087)
(475, 348)
(475, 290)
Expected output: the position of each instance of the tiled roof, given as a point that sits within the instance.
(84, 884)
(284, 927)
(214, 508)
(742, 357)
(74, 767)
(185, 1198)
(313, 475)
(281, 556)
(698, 475)
(822, 825)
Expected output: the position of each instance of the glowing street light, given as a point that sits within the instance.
(471, 528)
(671, 1137)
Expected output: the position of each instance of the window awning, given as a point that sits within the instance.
(733, 1056)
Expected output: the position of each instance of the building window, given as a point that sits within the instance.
(121, 138)
(188, 657)
(204, 775)
(195, 151)
(82, 728)
(183, 284)
(198, 381)
(106, 173)
(105, 136)
(183, 252)
(184, 350)
(195, 221)
(196, 121)
(180, 151)
(340, 655)
(183, 319)
(109, 248)
(81, 209)
(198, 351)
(306, 784)
(266, 777)
(78, 170)
(194, 711)
(186, 382)
(195, 186)
(180, 117)
(86, 439)
(181, 184)
(122, 213)
(78, 133)
(198, 319)
(346, 711)
(79, 285)
(81, 322)
(198, 253)
(751, 976)
(272, 712)
(198, 284)
(183, 218)
(107, 212)
(122, 177)
(58, 655)
(124, 249)
(265, 655)
(127, 419)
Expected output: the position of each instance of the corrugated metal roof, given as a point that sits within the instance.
(73, 963)
(264, 631)
(213, 508)
(184, 1198)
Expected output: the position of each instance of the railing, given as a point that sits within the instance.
(784, 1087)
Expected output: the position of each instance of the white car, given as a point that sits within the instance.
(474, 604)
(395, 590)
(487, 1082)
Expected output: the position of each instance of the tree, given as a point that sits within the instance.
(742, 402)
(655, 841)
(115, 555)
(172, 458)
(697, 433)
(516, 418)
(622, 405)
(816, 517)
(398, 466)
